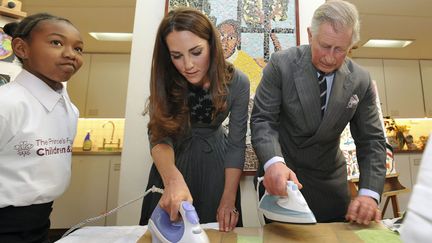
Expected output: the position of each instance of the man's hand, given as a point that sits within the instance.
(363, 210)
(276, 177)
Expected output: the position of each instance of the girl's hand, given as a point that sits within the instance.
(227, 214)
(175, 192)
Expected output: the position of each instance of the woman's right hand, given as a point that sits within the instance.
(175, 188)
(175, 192)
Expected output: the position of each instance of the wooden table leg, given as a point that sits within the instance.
(385, 207)
(395, 206)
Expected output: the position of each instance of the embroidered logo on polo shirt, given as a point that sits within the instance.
(53, 146)
(45, 147)
(23, 148)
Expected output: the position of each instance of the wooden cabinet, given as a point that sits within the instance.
(92, 191)
(99, 88)
(407, 165)
(402, 164)
(376, 70)
(77, 85)
(404, 88)
(107, 86)
(400, 86)
(426, 74)
(113, 188)
(415, 161)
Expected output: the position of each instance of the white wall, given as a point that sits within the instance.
(306, 10)
(136, 160)
(4, 20)
(10, 69)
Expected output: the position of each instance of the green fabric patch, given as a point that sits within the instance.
(378, 236)
(249, 239)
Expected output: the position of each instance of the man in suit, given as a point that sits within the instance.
(295, 132)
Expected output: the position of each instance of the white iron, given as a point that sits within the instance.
(187, 230)
(290, 209)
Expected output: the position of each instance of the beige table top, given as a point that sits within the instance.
(278, 232)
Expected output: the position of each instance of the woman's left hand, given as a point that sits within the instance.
(227, 214)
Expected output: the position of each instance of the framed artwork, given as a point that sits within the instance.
(6, 53)
(251, 30)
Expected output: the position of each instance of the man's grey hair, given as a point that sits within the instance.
(341, 15)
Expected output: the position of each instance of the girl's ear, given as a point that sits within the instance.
(20, 48)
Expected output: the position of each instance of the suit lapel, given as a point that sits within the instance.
(340, 93)
(307, 89)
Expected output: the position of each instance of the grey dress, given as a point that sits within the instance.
(203, 154)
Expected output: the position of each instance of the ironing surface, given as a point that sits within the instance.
(187, 230)
(290, 209)
(281, 233)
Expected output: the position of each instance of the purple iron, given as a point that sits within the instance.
(186, 230)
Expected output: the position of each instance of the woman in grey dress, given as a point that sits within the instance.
(192, 91)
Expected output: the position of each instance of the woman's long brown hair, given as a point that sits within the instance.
(167, 105)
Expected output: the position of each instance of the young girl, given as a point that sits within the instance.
(37, 125)
(192, 91)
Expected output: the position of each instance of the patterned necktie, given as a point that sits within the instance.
(323, 91)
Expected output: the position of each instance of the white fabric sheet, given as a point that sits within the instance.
(113, 234)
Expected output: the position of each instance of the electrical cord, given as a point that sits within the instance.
(260, 213)
(89, 220)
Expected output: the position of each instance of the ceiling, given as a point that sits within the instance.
(396, 19)
(91, 16)
(386, 19)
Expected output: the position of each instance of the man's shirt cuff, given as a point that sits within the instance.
(369, 193)
(273, 160)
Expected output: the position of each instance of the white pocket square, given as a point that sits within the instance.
(353, 102)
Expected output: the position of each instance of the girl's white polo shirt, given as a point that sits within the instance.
(37, 128)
